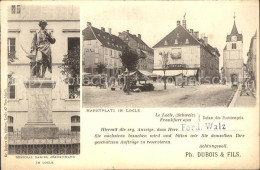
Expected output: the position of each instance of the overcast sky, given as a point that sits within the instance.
(154, 20)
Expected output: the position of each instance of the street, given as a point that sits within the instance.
(189, 96)
(244, 100)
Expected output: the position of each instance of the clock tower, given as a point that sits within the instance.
(233, 56)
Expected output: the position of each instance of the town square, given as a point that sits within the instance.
(130, 84)
(190, 64)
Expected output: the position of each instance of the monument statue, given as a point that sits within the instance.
(42, 49)
(39, 89)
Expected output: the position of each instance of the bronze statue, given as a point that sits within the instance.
(41, 46)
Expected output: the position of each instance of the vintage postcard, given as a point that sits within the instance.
(130, 85)
(43, 47)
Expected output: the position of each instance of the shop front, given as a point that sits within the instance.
(178, 74)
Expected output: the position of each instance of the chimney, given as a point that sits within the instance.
(184, 23)
(178, 23)
(206, 40)
(191, 31)
(109, 30)
(119, 34)
(88, 24)
(196, 34)
(202, 36)
(103, 29)
(139, 36)
(127, 31)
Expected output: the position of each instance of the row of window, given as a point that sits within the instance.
(11, 91)
(142, 46)
(16, 9)
(74, 126)
(11, 44)
(74, 119)
(108, 51)
(112, 53)
(176, 42)
(113, 62)
(109, 43)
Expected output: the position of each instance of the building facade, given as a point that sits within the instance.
(233, 56)
(188, 54)
(64, 23)
(251, 63)
(103, 47)
(146, 55)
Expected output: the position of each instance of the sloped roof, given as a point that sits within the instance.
(106, 39)
(234, 32)
(88, 34)
(208, 47)
(212, 49)
(234, 29)
(140, 41)
(183, 34)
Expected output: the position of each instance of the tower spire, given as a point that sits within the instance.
(234, 29)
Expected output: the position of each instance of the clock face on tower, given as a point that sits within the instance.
(233, 38)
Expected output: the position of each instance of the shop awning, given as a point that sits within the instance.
(146, 73)
(143, 72)
(189, 73)
(186, 73)
(168, 72)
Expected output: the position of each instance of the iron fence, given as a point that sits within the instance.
(67, 143)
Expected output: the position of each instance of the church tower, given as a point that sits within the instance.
(233, 56)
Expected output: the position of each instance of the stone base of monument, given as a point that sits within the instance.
(39, 124)
(40, 131)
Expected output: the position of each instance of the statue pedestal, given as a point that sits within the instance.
(39, 123)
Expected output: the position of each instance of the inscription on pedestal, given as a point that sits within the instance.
(39, 124)
(40, 106)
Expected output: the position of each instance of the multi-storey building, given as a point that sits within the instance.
(233, 56)
(103, 47)
(64, 23)
(251, 62)
(188, 54)
(143, 50)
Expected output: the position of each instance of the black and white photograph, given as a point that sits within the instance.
(169, 56)
(129, 84)
(43, 79)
